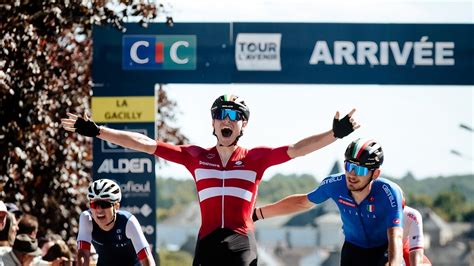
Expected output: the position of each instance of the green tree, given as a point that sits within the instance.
(45, 71)
(173, 196)
(421, 200)
(450, 205)
(280, 186)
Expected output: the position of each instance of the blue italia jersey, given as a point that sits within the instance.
(364, 224)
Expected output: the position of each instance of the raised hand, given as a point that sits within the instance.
(345, 126)
(82, 125)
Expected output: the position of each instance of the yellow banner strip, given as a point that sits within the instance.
(123, 109)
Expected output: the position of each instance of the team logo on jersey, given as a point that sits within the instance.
(210, 155)
(239, 163)
(370, 208)
(119, 234)
(413, 217)
(346, 203)
(396, 221)
(209, 164)
(372, 199)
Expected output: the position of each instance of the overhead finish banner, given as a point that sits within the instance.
(354, 53)
(318, 53)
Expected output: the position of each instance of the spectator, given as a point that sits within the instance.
(8, 234)
(3, 215)
(58, 252)
(24, 250)
(28, 225)
(44, 243)
(12, 208)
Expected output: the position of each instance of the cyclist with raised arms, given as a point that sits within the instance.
(226, 175)
(116, 235)
(370, 207)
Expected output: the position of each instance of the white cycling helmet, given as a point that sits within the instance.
(104, 189)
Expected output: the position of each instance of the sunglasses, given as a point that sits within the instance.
(101, 204)
(233, 115)
(358, 170)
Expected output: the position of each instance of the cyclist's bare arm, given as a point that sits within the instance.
(316, 142)
(128, 139)
(291, 204)
(395, 246)
(131, 140)
(310, 144)
(148, 261)
(83, 257)
(416, 257)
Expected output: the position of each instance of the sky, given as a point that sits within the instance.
(417, 126)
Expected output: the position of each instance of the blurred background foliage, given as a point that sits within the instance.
(450, 197)
(45, 71)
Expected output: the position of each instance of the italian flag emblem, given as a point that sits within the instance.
(370, 208)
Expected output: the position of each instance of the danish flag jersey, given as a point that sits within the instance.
(226, 194)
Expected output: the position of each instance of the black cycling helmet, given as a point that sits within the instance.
(232, 102)
(365, 152)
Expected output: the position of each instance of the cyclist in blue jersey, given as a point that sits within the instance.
(370, 207)
(116, 235)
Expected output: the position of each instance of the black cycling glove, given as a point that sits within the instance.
(343, 127)
(86, 127)
(254, 215)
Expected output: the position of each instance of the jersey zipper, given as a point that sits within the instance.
(360, 218)
(362, 223)
(223, 187)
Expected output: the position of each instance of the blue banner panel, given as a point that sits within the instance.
(134, 172)
(305, 53)
(141, 57)
(353, 53)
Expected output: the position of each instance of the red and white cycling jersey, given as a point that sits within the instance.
(226, 194)
(412, 229)
(412, 234)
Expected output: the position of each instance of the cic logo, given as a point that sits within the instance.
(167, 52)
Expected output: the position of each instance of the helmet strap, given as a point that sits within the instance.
(113, 219)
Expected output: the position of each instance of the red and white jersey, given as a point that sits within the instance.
(412, 234)
(226, 194)
(412, 229)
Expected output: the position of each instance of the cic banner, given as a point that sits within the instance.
(302, 53)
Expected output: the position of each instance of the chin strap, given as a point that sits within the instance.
(113, 219)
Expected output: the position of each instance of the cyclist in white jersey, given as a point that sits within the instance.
(413, 240)
(115, 234)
